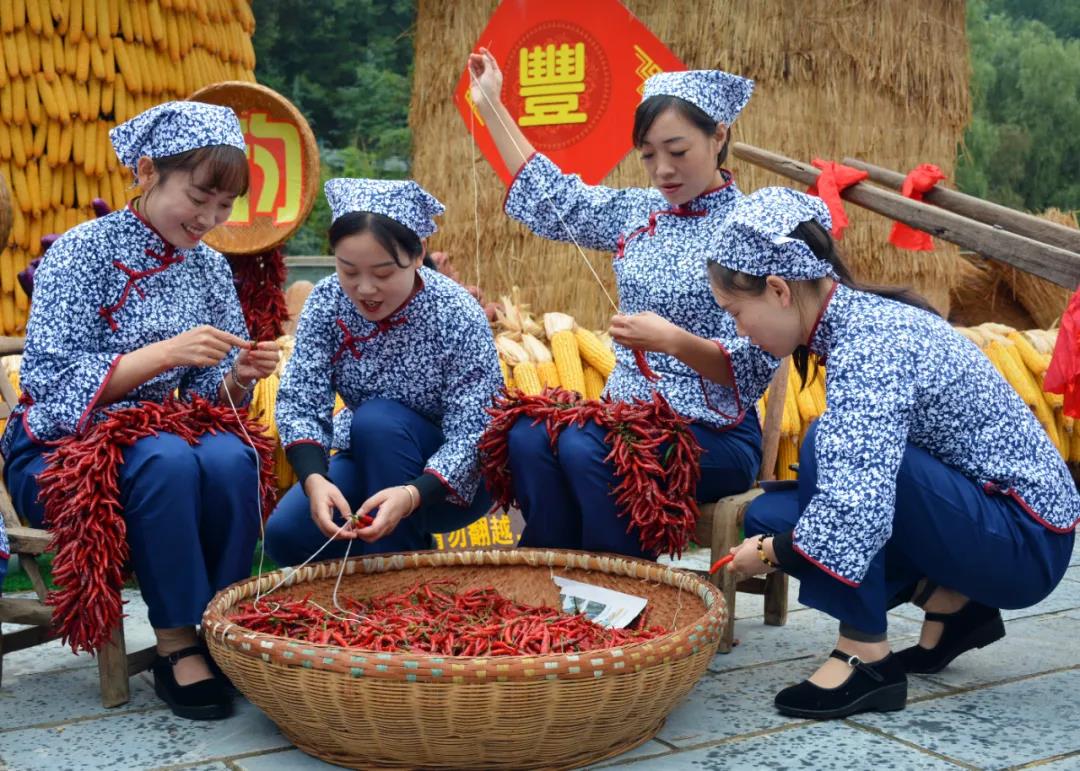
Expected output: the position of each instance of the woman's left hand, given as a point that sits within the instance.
(257, 362)
(747, 563)
(393, 505)
(644, 331)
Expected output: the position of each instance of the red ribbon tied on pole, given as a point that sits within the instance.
(1063, 374)
(834, 179)
(917, 183)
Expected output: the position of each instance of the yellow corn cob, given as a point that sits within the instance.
(787, 454)
(68, 198)
(33, 15)
(34, 235)
(7, 18)
(594, 383)
(1074, 448)
(1055, 401)
(541, 356)
(82, 61)
(7, 274)
(11, 56)
(564, 350)
(157, 23)
(97, 62)
(104, 23)
(34, 43)
(22, 46)
(507, 379)
(804, 400)
(33, 187)
(789, 421)
(127, 24)
(1033, 360)
(21, 190)
(18, 101)
(33, 102)
(1024, 385)
(527, 379)
(5, 143)
(93, 98)
(594, 352)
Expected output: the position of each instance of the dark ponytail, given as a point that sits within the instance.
(824, 248)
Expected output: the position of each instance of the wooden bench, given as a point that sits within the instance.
(115, 664)
(720, 523)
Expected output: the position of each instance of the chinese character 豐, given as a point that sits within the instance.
(501, 532)
(551, 79)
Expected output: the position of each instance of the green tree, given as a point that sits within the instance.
(1020, 149)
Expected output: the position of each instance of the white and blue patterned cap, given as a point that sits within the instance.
(176, 127)
(753, 237)
(403, 201)
(719, 94)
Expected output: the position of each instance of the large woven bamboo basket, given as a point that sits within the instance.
(390, 710)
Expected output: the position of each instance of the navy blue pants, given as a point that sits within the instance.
(946, 528)
(192, 515)
(389, 444)
(566, 499)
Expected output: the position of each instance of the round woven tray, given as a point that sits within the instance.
(394, 710)
(263, 231)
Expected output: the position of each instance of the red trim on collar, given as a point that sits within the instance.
(821, 313)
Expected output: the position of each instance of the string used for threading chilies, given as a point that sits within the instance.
(551, 203)
(287, 573)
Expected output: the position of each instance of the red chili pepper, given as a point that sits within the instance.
(720, 563)
(643, 366)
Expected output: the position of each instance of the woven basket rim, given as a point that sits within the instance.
(682, 642)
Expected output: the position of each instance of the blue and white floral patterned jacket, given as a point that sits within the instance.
(106, 288)
(896, 374)
(659, 261)
(435, 355)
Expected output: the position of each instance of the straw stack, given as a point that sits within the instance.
(70, 70)
(885, 80)
(1043, 300)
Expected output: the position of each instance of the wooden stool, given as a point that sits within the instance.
(720, 522)
(115, 665)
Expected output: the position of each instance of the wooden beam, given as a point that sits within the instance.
(1050, 262)
(28, 540)
(770, 434)
(988, 213)
(17, 610)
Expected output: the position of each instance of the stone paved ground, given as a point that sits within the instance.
(1011, 705)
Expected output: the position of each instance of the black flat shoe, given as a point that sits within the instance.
(881, 686)
(204, 700)
(973, 626)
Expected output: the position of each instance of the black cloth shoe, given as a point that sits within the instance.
(973, 626)
(881, 686)
(204, 700)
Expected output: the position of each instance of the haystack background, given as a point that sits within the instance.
(883, 80)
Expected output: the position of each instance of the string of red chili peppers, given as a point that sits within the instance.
(655, 455)
(259, 280)
(433, 617)
(80, 492)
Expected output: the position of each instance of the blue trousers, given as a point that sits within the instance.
(946, 528)
(566, 499)
(192, 516)
(389, 444)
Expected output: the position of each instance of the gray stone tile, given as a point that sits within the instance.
(55, 697)
(992, 727)
(289, 760)
(140, 740)
(1073, 573)
(1069, 763)
(807, 633)
(650, 749)
(1030, 646)
(55, 655)
(812, 746)
(1065, 597)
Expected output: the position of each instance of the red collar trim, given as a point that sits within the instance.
(821, 314)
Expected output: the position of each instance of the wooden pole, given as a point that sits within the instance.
(992, 214)
(1050, 262)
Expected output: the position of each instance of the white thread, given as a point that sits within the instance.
(543, 192)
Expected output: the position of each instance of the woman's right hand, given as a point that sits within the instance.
(325, 498)
(486, 80)
(203, 346)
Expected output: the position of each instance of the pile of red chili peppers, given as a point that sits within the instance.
(259, 280)
(432, 617)
(80, 490)
(655, 455)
